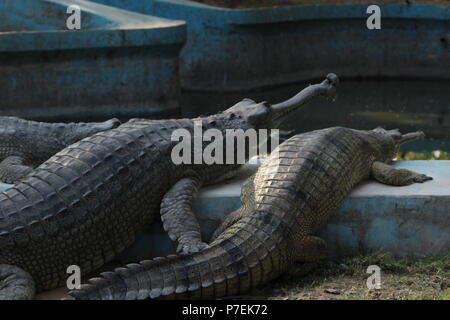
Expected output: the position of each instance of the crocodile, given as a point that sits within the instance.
(26, 144)
(283, 206)
(87, 203)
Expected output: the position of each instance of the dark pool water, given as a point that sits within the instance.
(409, 105)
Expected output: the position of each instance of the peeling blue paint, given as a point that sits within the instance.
(381, 233)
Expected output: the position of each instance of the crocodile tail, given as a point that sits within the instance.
(249, 253)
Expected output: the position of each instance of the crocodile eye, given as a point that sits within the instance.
(231, 116)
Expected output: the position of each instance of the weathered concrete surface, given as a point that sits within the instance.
(120, 63)
(407, 221)
(411, 220)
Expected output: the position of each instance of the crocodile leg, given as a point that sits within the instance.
(12, 169)
(178, 219)
(286, 202)
(247, 196)
(387, 174)
(15, 283)
(309, 249)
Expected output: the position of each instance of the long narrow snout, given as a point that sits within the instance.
(326, 88)
(412, 136)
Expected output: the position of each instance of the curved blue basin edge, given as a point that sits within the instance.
(106, 27)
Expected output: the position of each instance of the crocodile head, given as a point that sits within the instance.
(248, 113)
(391, 140)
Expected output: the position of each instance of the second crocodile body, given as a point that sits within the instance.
(283, 205)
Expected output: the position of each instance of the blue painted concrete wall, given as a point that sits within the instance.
(119, 64)
(238, 49)
(32, 15)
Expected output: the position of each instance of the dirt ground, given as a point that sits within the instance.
(271, 3)
(401, 279)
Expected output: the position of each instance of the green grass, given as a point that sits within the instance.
(401, 279)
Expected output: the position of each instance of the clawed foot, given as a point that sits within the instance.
(191, 247)
(420, 178)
